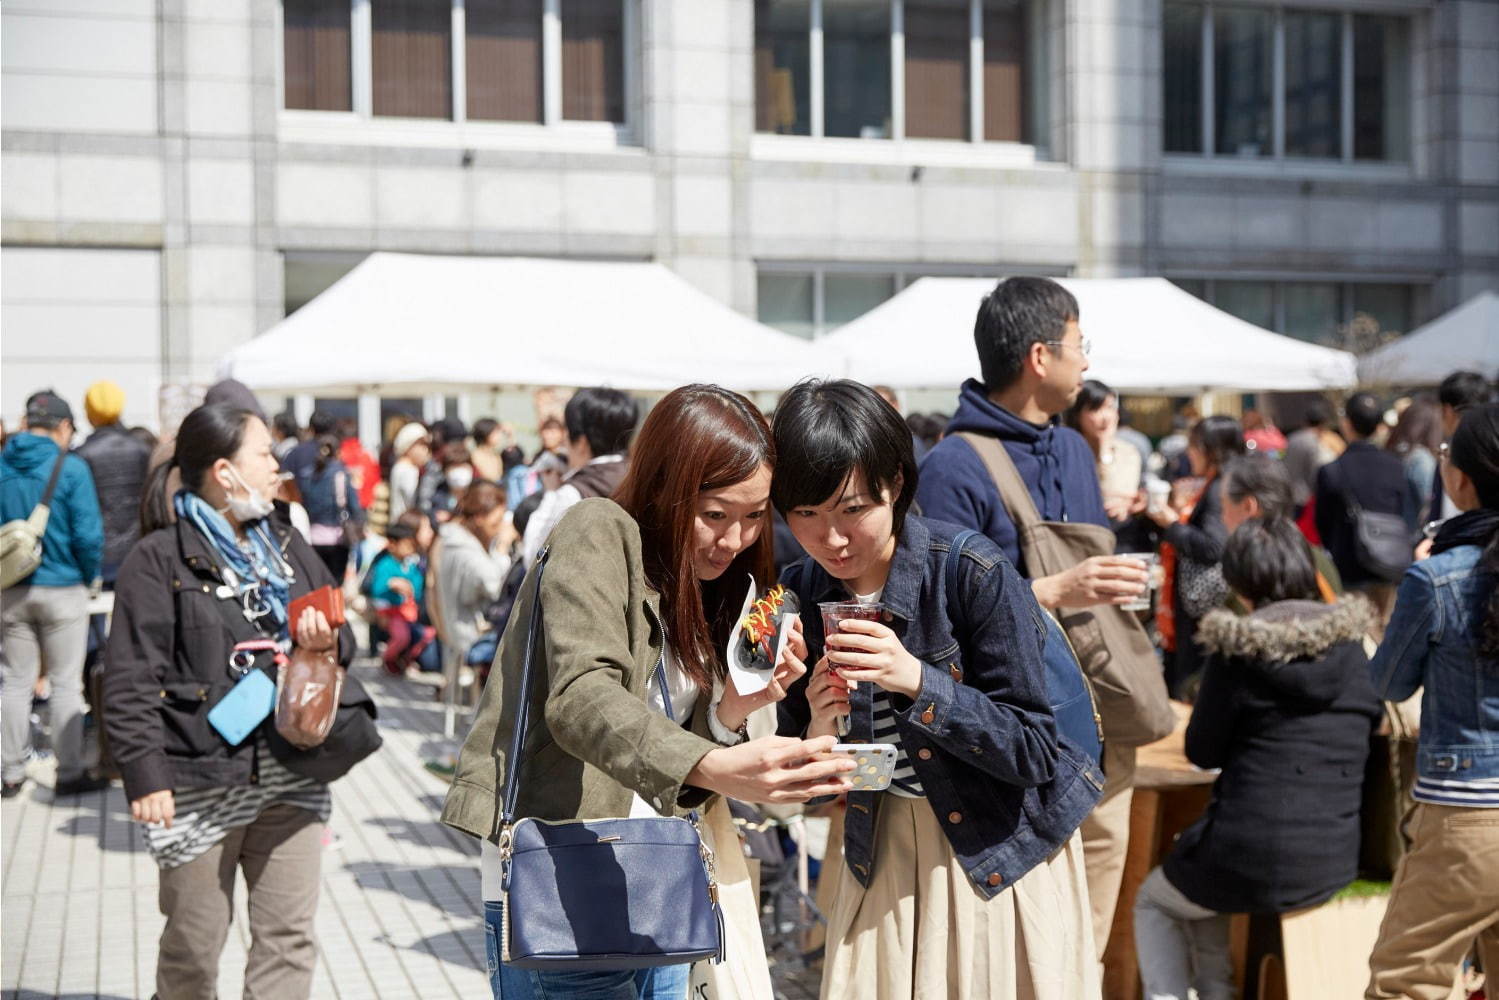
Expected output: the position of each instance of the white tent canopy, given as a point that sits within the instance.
(1465, 338)
(434, 323)
(1148, 336)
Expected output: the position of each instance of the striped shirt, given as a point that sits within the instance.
(205, 816)
(903, 781)
(1477, 793)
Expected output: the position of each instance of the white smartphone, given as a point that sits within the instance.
(875, 764)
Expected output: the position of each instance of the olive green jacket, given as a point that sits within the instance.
(594, 741)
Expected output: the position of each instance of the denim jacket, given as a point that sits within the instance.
(1007, 790)
(1430, 641)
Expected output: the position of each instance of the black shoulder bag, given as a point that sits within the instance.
(600, 894)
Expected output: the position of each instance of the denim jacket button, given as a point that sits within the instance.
(930, 715)
(955, 817)
(995, 879)
(957, 674)
(924, 753)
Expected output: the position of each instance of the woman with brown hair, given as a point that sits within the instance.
(643, 588)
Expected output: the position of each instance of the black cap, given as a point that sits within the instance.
(398, 532)
(47, 409)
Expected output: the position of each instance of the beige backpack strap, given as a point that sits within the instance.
(1012, 490)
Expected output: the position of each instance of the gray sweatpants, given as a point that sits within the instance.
(43, 625)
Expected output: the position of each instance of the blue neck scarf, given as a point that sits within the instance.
(262, 577)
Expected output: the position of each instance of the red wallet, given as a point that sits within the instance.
(328, 600)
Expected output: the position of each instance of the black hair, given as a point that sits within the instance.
(1268, 560)
(1364, 413)
(604, 417)
(1220, 438)
(1474, 450)
(1263, 478)
(445, 430)
(511, 457)
(1464, 388)
(286, 425)
(1318, 413)
(399, 531)
(483, 427)
(1092, 396)
(322, 422)
(824, 431)
(328, 447)
(207, 434)
(1018, 313)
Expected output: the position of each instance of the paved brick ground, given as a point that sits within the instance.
(400, 915)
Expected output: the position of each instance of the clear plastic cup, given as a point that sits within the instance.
(1153, 567)
(834, 613)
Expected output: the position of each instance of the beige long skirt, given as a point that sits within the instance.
(744, 974)
(922, 932)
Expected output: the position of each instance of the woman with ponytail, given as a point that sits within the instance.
(202, 601)
(1444, 637)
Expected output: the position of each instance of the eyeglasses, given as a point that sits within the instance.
(1085, 347)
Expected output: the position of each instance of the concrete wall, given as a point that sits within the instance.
(155, 126)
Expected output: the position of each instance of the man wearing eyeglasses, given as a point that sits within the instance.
(1032, 356)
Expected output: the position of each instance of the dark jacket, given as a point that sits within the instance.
(1376, 480)
(599, 479)
(1201, 539)
(1006, 788)
(1054, 461)
(74, 540)
(1286, 710)
(325, 494)
(168, 661)
(119, 463)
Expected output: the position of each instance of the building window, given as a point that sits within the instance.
(812, 300)
(894, 69)
(1263, 82)
(502, 60)
(1331, 313)
(543, 61)
(316, 54)
(412, 58)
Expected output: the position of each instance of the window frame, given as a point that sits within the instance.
(1208, 159)
(1419, 287)
(897, 146)
(361, 123)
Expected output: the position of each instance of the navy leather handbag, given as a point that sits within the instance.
(1066, 686)
(600, 894)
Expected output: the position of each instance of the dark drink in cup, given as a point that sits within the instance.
(834, 613)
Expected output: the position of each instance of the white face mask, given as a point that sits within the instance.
(251, 507)
(459, 477)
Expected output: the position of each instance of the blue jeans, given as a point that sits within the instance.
(667, 982)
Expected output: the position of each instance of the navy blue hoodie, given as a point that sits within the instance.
(1055, 462)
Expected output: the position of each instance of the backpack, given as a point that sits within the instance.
(1067, 689)
(21, 539)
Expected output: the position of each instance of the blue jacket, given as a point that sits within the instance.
(1430, 642)
(320, 494)
(73, 547)
(1006, 788)
(1054, 461)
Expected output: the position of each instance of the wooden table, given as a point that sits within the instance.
(1170, 793)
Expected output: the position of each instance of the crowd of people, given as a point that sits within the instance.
(1282, 588)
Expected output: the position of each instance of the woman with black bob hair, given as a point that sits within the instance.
(965, 879)
(1192, 525)
(1443, 639)
(1286, 711)
(200, 602)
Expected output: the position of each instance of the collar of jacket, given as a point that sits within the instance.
(199, 555)
(903, 584)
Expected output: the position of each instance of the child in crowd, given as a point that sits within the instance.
(1286, 711)
(397, 586)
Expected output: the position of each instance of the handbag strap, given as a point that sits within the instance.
(1012, 489)
(40, 514)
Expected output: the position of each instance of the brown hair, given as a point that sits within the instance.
(480, 499)
(698, 438)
